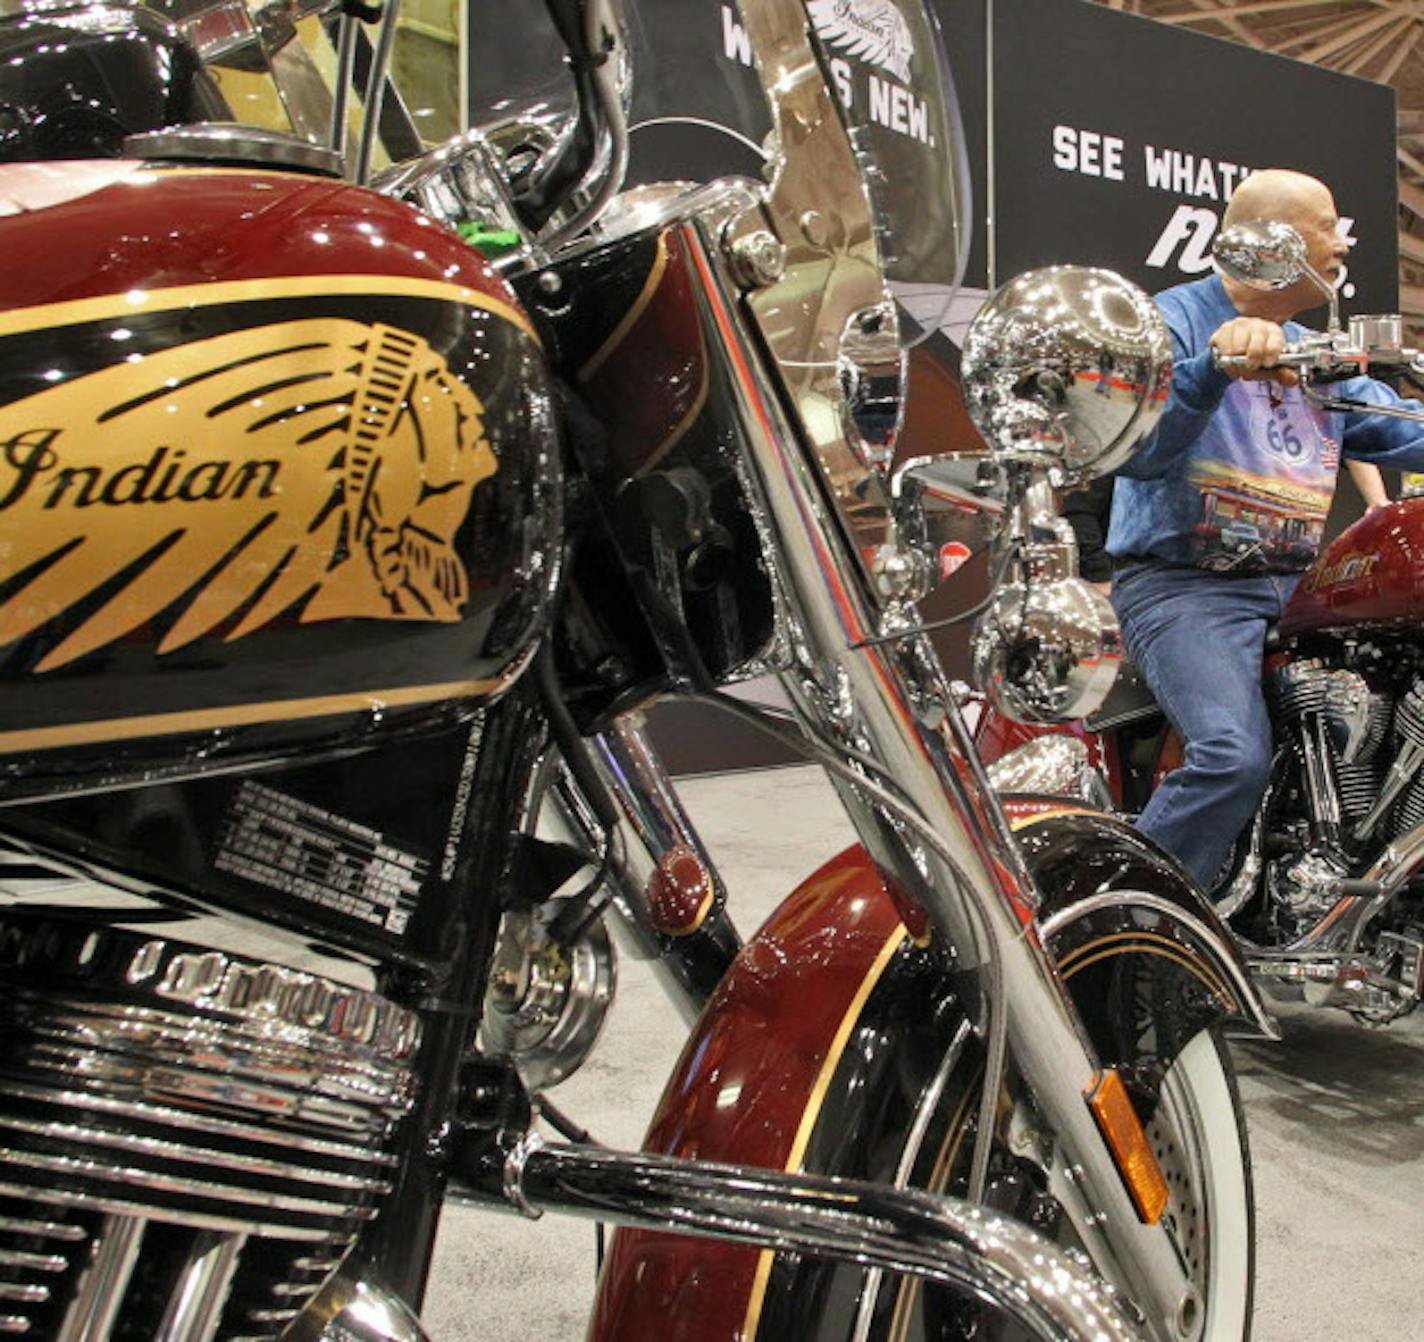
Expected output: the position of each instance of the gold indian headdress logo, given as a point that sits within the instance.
(322, 464)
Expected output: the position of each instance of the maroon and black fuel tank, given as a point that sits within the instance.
(1371, 576)
(278, 471)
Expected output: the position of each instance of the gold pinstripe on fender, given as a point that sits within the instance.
(812, 1111)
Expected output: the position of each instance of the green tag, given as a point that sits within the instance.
(491, 241)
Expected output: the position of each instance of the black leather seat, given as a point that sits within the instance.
(1129, 700)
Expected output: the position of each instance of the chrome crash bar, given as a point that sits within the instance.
(938, 1239)
(967, 1248)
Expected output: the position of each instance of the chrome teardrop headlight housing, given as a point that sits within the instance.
(1067, 367)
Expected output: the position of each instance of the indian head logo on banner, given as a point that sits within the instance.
(873, 31)
(319, 466)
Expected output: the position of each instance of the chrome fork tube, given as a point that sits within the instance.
(636, 776)
(970, 877)
(688, 967)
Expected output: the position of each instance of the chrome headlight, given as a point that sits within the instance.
(1067, 367)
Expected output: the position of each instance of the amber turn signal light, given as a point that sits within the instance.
(1127, 1140)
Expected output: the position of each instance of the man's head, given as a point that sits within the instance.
(1307, 205)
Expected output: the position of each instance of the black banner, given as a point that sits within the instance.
(1117, 141)
(1114, 140)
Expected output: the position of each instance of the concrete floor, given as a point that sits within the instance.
(1336, 1115)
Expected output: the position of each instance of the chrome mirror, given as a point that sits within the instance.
(1067, 368)
(1269, 254)
(1261, 254)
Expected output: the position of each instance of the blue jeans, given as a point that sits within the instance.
(1198, 639)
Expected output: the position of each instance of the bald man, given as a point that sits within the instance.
(1221, 510)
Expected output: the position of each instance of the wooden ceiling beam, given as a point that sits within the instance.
(1225, 14)
(1256, 7)
(1324, 28)
(1370, 23)
(1376, 44)
(1401, 54)
(1410, 161)
(1411, 300)
(1411, 248)
(1412, 198)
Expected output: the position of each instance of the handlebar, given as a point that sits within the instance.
(1372, 344)
(1328, 363)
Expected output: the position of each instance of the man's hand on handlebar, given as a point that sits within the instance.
(1249, 347)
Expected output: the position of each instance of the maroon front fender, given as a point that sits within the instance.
(747, 1090)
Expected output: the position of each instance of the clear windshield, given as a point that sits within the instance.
(886, 62)
(699, 112)
(692, 118)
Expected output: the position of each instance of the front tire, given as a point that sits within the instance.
(1196, 1128)
(1199, 1136)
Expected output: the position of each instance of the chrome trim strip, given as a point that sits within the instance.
(167, 1183)
(208, 142)
(1226, 961)
(160, 1149)
(96, 1303)
(43, 1229)
(192, 1122)
(24, 1295)
(125, 1209)
(33, 1262)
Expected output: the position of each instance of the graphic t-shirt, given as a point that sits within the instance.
(1265, 470)
(1238, 475)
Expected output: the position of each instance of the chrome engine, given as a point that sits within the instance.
(1362, 750)
(1337, 841)
(189, 1139)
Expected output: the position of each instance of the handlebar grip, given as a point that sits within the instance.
(1358, 887)
(1289, 358)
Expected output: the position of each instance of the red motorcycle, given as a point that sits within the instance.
(346, 522)
(1323, 889)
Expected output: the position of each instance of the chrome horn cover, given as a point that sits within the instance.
(1058, 766)
(1047, 651)
(1067, 367)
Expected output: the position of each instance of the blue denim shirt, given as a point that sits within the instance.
(1237, 474)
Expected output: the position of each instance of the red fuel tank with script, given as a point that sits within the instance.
(278, 469)
(1369, 576)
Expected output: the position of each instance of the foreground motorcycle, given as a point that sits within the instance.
(345, 528)
(1323, 888)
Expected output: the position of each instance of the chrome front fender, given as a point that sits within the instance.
(1108, 892)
